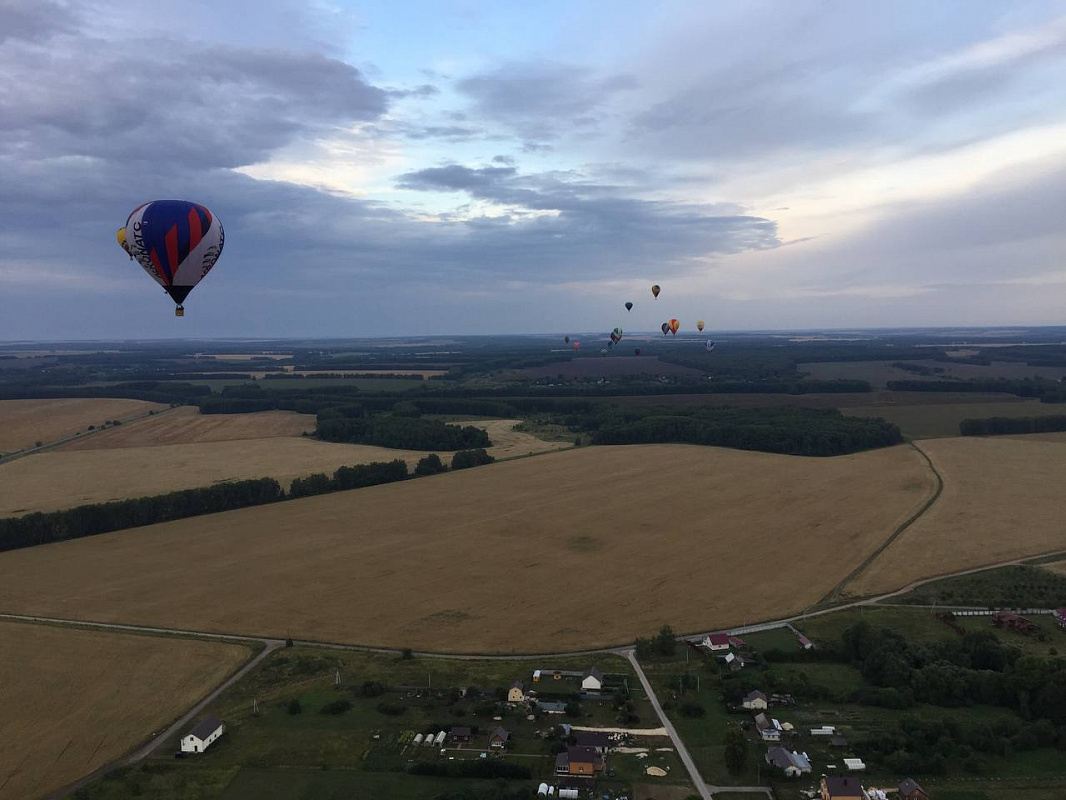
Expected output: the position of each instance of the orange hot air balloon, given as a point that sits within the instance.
(655, 290)
(577, 345)
(674, 325)
(699, 325)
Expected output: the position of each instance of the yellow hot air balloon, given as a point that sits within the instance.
(699, 324)
(120, 237)
(655, 290)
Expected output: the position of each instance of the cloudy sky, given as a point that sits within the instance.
(451, 166)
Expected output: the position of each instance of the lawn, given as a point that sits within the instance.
(1006, 587)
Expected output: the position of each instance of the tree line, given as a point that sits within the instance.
(998, 426)
(789, 430)
(404, 433)
(1022, 387)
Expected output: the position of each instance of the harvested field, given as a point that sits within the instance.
(878, 373)
(675, 536)
(934, 420)
(65, 478)
(23, 422)
(596, 367)
(186, 425)
(74, 699)
(1002, 500)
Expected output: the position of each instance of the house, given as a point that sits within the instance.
(909, 790)
(498, 738)
(516, 692)
(732, 661)
(756, 700)
(716, 642)
(834, 788)
(460, 734)
(791, 763)
(1014, 622)
(551, 707)
(200, 738)
(1060, 617)
(579, 761)
(592, 681)
(597, 740)
(536, 676)
(769, 730)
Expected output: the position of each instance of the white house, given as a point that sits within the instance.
(769, 730)
(756, 700)
(592, 681)
(516, 692)
(716, 642)
(200, 738)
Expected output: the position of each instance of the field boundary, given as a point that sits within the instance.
(155, 412)
(836, 591)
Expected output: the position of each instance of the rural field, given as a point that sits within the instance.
(582, 548)
(23, 422)
(590, 367)
(65, 478)
(878, 373)
(1002, 500)
(74, 700)
(870, 402)
(926, 421)
(186, 425)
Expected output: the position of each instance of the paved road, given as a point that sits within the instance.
(180, 724)
(682, 753)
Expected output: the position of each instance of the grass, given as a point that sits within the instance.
(25, 422)
(928, 421)
(75, 699)
(774, 639)
(1007, 587)
(361, 752)
(531, 555)
(1001, 501)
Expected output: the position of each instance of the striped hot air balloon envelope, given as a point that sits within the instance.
(176, 242)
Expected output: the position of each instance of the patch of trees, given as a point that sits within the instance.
(404, 433)
(170, 392)
(790, 430)
(465, 459)
(89, 520)
(344, 478)
(1023, 387)
(664, 643)
(430, 465)
(998, 426)
(478, 768)
(1006, 587)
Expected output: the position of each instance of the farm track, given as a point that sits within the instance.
(836, 591)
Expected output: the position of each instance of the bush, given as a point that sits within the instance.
(335, 707)
(430, 465)
(373, 689)
(406, 654)
(391, 709)
(295, 707)
(692, 710)
(465, 459)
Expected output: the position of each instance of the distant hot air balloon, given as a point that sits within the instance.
(655, 290)
(666, 328)
(699, 324)
(710, 345)
(577, 345)
(674, 325)
(603, 352)
(629, 306)
(120, 237)
(637, 351)
(176, 242)
(566, 339)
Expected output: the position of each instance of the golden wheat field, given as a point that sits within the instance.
(74, 700)
(24, 422)
(65, 478)
(1003, 499)
(581, 548)
(186, 425)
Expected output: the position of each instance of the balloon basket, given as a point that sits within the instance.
(179, 311)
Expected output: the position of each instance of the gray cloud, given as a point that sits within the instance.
(539, 100)
(35, 20)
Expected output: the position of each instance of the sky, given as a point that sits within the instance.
(459, 167)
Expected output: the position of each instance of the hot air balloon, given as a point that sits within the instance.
(177, 243)
(577, 345)
(699, 324)
(610, 344)
(710, 345)
(637, 351)
(603, 351)
(666, 328)
(674, 325)
(120, 237)
(629, 306)
(655, 290)
(566, 339)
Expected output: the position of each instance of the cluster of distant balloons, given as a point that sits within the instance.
(670, 326)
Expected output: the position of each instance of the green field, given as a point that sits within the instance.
(1006, 587)
(363, 752)
(934, 420)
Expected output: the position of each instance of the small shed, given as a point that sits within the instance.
(1060, 617)
(460, 734)
(536, 679)
(202, 736)
(498, 738)
(910, 790)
